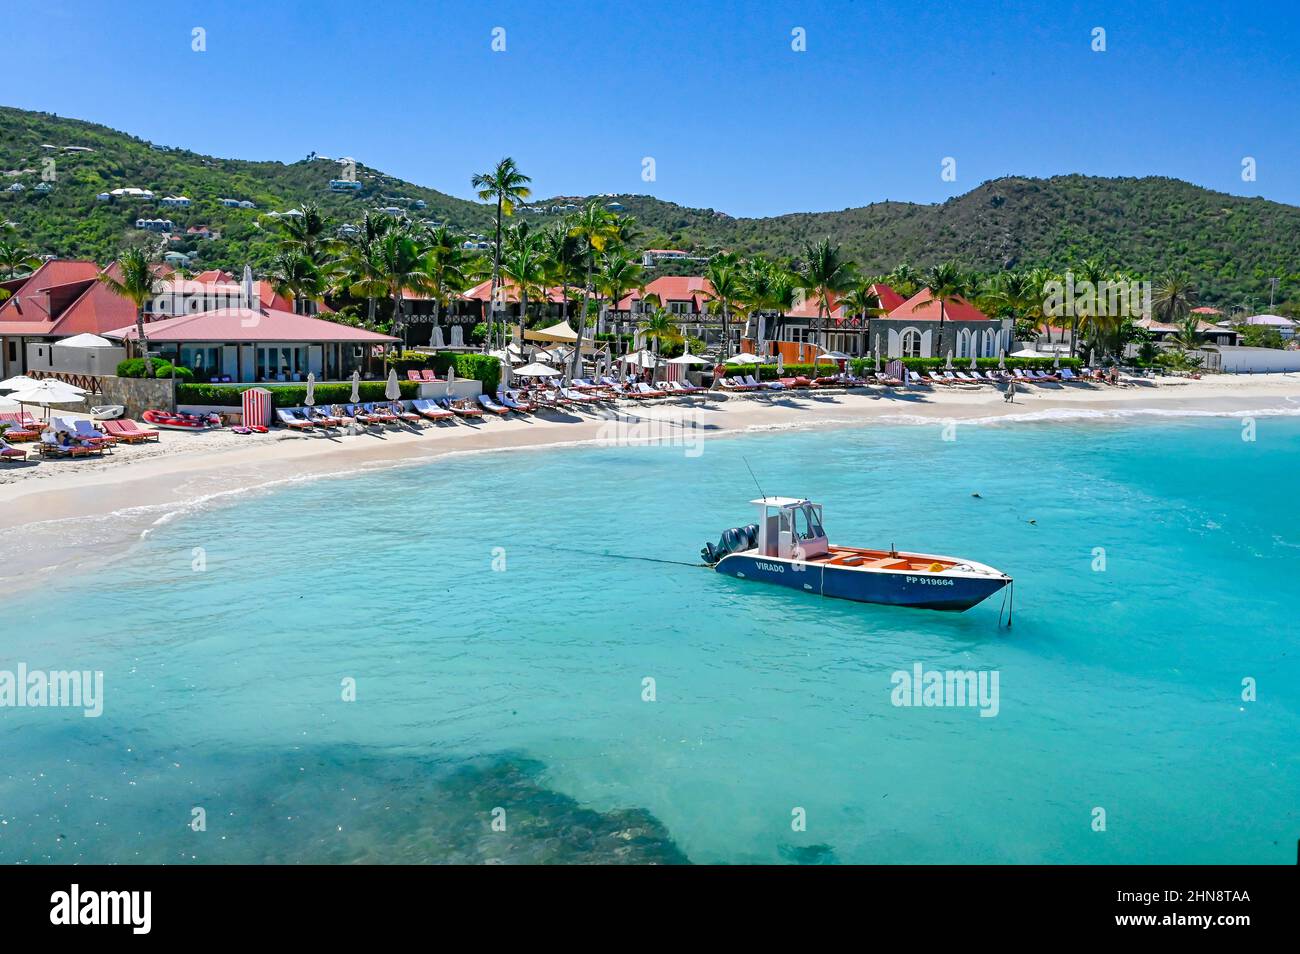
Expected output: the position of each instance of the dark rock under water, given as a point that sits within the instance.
(330, 805)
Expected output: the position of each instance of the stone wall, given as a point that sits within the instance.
(137, 394)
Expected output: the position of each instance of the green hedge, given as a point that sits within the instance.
(134, 368)
(485, 368)
(767, 372)
(921, 365)
(287, 395)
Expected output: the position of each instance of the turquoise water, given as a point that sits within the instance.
(522, 688)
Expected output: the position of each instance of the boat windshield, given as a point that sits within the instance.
(807, 523)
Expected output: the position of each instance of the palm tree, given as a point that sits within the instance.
(14, 256)
(1189, 337)
(357, 271)
(508, 186)
(725, 292)
(619, 274)
(658, 324)
(946, 283)
(595, 228)
(447, 266)
(1095, 274)
(1174, 299)
(138, 284)
(563, 257)
(862, 301)
(525, 265)
(294, 275)
(825, 273)
(308, 234)
(400, 261)
(904, 280)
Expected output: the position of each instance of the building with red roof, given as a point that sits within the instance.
(63, 298)
(260, 344)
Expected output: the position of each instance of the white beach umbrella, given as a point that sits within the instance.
(49, 392)
(356, 387)
(537, 371)
(505, 376)
(780, 363)
(7, 406)
(877, 353)
(745, 358)
(438, 341)
(310, 399)
(948, 364)
(1092, 359)
(1056, 362)
(687, 358)
(973, 365)
(18, 383)
(1002, 359)
(392, 390)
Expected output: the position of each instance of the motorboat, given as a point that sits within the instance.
(788, 546)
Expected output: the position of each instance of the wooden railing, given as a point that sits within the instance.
(87, 382)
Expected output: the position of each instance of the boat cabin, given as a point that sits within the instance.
(790, 528)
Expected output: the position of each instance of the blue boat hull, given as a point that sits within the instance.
(915, 590)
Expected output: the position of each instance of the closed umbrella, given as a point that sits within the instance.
(505, 376)
(451, 377)
(780, 363)
(356, 387)
(1002, 359)
(310, 399)
(948, 364)
(392, 390)
(973, 365)
(877, 354)
(1056, 362)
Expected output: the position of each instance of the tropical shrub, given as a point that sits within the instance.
(288, 395)
(134, 368)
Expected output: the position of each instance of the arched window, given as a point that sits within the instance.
(911, 343)
(963, 343)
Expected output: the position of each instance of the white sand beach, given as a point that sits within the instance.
(46, 505)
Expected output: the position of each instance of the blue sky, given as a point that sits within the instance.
(734, 118)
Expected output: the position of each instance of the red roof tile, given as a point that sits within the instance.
(691, 288)
(244, 324)
(924, 307)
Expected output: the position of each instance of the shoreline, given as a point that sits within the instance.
(64, 515)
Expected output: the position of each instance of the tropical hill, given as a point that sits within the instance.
(1230, 245)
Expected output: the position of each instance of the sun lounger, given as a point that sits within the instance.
(521, 407)
(321, 417)
(461, 408)
(648, 391)
(381, 413)
(935, 377)
(1044, 376)
(491, 405)
(129, 431)
(49, 446)
(398, 408)
(87, 432)
(428, 409)
(413, 376)
(10, 453)
(292, 421)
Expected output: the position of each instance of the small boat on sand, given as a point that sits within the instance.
(176, 421)
(788, 546)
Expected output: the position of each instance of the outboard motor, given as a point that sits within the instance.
(732, 541)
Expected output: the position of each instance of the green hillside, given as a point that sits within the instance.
(1151, 225)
